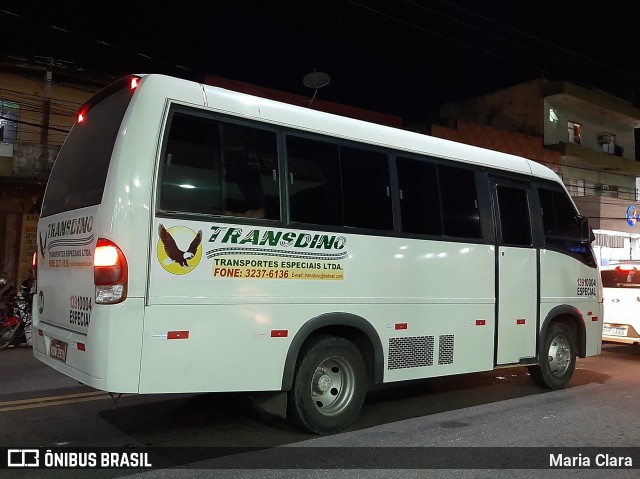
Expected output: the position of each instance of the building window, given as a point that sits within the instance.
(574, 185)
(553, 116)
(608, 142)
(601, 189)
(575, 132)
(9, 114)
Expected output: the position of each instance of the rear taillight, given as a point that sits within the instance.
(109, 272)
(34, 264)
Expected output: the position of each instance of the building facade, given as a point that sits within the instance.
(38, 105)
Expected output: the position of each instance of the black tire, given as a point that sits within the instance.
(557, 357)
(7, 334)
(329, 385)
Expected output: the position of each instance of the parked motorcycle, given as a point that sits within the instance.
(15, 313)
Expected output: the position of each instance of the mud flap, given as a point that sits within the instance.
(271, 402)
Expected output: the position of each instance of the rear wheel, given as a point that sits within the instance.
(329, 385)
(557, 357)
(7, 333)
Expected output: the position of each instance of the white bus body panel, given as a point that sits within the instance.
(124, 218)
(517, 304)
(566, 281)
(430, 289)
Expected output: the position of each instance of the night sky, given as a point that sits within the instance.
(403, 57)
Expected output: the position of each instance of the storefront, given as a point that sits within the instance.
(19, 212)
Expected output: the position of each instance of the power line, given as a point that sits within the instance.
(571, 54)
(91, 39)
(540, 68)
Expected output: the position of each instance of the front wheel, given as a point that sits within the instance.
(7, 334)
(556, 359)
(329, 385)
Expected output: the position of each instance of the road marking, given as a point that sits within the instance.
(53, 401)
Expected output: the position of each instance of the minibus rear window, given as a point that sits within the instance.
(79, 173)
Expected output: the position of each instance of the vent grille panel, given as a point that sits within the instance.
(445, 349)
(411, 352)
(418, 351)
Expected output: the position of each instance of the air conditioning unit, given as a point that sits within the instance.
(605, 190)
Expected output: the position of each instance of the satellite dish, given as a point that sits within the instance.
(316, 79)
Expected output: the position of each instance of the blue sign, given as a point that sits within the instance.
(632, 216)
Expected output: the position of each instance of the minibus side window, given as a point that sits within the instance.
(419, 197)
(561, 226)
(337, 185)
(315, 193)
(459, 200)
(366, 191)
(250, 165)
(217, 168)
(191, 168)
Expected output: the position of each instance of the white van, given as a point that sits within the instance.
(621, 292)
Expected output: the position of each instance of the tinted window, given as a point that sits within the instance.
(620, 278)
(337, 185)
(561, 227)
(558, 216)
(192, 167)
(419, 197)
(213, 167)
(365, 189)
(80, 171)
(513, 211)
(459, 202)
(315, 193)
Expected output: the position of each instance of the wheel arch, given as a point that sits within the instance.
(571, 316)
(346, 325)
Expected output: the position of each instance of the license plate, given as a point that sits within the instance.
(58, 350)
(615, 331)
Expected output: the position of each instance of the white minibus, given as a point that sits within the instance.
(194, 239)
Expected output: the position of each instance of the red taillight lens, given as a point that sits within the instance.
(130, 82)
(626, 267)
(34, 264)
(109, 272)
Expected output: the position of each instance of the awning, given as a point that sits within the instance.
(610, 241)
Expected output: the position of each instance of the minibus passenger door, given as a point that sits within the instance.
(517, 285)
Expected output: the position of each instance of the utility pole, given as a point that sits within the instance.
(44, 137)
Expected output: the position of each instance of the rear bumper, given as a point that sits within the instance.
(631, 335)
(107, 357)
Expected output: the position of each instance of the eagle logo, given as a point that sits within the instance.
(171, 256)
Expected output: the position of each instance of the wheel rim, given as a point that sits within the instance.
(559, 355)
(332, 386)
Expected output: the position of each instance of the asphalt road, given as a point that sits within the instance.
(416, 430)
